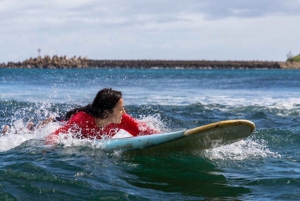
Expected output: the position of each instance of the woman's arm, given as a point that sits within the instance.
(78, 123)
(135, 127)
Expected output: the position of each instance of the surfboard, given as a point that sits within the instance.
(204, 137)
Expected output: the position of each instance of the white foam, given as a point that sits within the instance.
(231, 98)
(19, 134)
(10, 140)
(241, 150)
(122, 134)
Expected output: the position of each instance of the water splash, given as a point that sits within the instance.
(154, 122)
(241, 150)
(18, 133)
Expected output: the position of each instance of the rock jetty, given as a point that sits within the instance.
(49, 62)
(79, 62)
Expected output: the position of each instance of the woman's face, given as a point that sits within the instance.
(118, 111)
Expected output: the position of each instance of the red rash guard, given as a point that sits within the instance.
(83, 125)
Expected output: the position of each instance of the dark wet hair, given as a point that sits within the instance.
(105, 100)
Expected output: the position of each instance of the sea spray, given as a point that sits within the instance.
(241, 150)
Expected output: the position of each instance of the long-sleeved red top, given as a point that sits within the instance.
(83, 125)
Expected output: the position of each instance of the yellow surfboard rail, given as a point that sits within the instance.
(220, 124)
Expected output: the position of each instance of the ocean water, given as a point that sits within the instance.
(265, 166)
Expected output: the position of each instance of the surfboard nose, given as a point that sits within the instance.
(220, 124)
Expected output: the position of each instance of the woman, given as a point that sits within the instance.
(104, 117)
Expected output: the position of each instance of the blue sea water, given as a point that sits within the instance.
(265, 166)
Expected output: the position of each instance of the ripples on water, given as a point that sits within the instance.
(262, 167)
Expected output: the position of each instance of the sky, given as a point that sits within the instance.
(265, 30)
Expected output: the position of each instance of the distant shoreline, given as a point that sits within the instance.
(54, 62)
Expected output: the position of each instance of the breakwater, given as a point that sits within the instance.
(79, 62)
